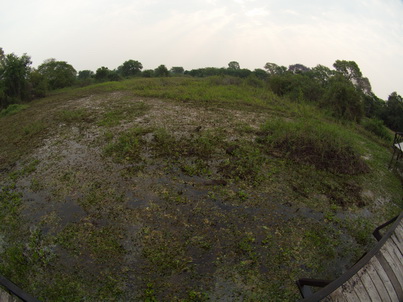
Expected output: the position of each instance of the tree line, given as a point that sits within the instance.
(343, 90)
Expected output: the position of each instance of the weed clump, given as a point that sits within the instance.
(128, 147)
(244, 163)
(202, 146)
(325, 146)
(74, 116)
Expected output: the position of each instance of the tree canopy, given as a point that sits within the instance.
(274, 69)
(14, 72)
(177, 70)
(59, 74)
(234, 65)
(393, 112)
(161, 71)
(130, 68)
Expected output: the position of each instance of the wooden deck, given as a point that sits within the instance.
(378, 276)
(9, 292)
(7, 297)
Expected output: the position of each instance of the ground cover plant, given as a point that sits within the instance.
(184, 189)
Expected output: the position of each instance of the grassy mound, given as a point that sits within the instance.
(184, 190)
(325, 146)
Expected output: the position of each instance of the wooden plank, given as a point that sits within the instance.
(394, 261)
(359, 288)
(394, 250)
(337, 296)
(6, 297)
(378, 282)
(399, 232)
(399, 229)
(385, 279)
(349, 292)
(398, 242)
(396, 287)
(369, 284)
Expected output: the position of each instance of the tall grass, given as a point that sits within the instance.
(324, 145)
(203, 90)
(12, 109)
(378, 128)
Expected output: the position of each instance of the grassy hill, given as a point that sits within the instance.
(183, 189)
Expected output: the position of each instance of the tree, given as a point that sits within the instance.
(280, 84)
(2, 56)
(274, 69)
(393, 114)
(148, 73)
(14, 73)
(85, 74)
(114, 75)
(38, 84)
(298, 68)
(349, 69)
(373, 106)
(233, 65)
(161, 71)
(322, 74)
(177, 70)
(260, 73)
(130, 68)
(364, 85)
(343, 99)
(59, 74)
(102, 73)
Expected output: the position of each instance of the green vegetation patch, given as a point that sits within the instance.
(128, 146)
(245, 162)
(10, 202)
(201, 145)
(378, 128)
(74, 116)
(13, 109)
(325, 146)
(101, 243)
(165, 252)
(121, 111)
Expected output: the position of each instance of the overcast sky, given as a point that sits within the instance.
(89, 34)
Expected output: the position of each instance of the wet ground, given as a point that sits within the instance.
(168, 201)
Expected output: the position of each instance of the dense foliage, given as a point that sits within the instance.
(343, 91)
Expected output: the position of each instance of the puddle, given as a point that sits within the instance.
(134, 202)
(69, 211)
(38, 205)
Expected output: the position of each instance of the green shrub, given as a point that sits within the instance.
(377, 127)
(325, 146)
